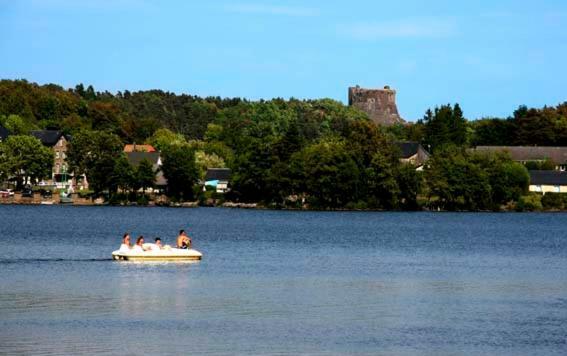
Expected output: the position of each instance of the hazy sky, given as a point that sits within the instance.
(490, 56)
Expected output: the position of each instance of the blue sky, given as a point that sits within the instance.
(490, 56)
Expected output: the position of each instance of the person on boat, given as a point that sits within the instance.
(183, 241)
(139, 247)
(125, 243)
(158, 245)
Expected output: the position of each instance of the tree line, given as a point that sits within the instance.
(283, 153)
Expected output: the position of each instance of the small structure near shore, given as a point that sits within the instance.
(218, 178)
(548, 182)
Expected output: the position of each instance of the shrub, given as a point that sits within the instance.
(529, 203)
(142, 200)
(553, 201)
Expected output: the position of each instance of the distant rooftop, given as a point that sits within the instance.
(530, 153)
(548, 178)
(218, 174)
(139, 148)
(48, 137)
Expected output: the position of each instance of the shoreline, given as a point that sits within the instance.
(256, 206)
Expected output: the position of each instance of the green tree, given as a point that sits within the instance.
(16, 125)
(94, 153)
(163, 138)
(410, 184)
(25, 160)
(456, 182)
(382, 187)
(508, 179)
(445, 126)
(330, 175)
(180, 170)
(145, 175)
(123, 176)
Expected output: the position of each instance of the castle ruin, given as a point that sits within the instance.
(379, 104)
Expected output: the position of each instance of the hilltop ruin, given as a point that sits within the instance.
(379, 104)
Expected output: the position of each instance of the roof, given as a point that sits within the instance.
(530, 153)
(4, 133)
(217, 174)
(408, 148)
(136, 157)
(154, 157)
(139, 148)
(548, 178)
(47, 137)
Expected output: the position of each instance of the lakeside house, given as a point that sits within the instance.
(60, 176)
(135, 157)
(412, 152)
(218, 178)
(548, 182)
(538, 154)
(4, 133)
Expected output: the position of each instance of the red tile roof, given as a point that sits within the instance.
(139, 148)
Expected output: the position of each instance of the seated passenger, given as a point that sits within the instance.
(159, 246)
(125, 243)
(183, 241)
(139, 247)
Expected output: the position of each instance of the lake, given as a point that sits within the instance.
(283, 282)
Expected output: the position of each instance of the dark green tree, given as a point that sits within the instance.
(94, 153)
(145, 175)
(180, 170)
(23, 158)
(330, 175)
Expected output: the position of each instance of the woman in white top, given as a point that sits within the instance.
(125, 243)
(139, 244)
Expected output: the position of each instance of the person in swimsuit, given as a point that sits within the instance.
(183, 241)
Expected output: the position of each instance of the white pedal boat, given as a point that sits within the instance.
(154, 254)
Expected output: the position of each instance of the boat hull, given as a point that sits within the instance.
(173, 254)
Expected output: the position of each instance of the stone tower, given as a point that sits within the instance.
(379, 104)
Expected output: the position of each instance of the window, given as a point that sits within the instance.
(56, 154)
(57, 168)
(538, 188)
(557, 189)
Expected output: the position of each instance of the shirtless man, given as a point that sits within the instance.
(183, 241)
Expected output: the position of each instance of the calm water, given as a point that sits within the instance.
(284, 283)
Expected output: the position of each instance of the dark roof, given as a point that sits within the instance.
(528, 153)
(136, 157)
(4, 133)
(408, 148)
(154, 157)
(548, 178)
(47, 137)
(217, 174)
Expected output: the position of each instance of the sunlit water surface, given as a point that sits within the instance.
(284, 283)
